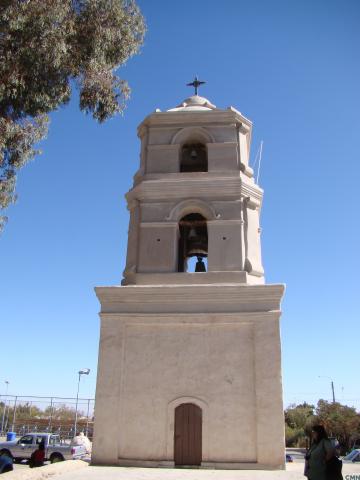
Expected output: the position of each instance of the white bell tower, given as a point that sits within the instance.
(190, 362)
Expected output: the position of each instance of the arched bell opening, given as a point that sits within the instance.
(193, 158)
(193, 243)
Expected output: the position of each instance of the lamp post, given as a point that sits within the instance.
(3, 415)
(332, 386)
(85, 371)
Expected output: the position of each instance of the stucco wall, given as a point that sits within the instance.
(228, 364)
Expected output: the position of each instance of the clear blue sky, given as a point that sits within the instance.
(290, 66)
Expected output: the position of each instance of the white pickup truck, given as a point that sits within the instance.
(55, 451)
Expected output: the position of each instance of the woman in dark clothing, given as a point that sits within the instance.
(320, 452)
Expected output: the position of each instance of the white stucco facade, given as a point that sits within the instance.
(171, 337)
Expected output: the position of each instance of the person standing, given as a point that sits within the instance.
(38, 456)
(320, 452)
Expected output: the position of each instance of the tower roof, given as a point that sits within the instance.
(194, 103)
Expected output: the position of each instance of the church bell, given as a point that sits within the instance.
(193, 241)
(196, 245)
(193, 154)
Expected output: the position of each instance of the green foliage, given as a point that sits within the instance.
(61, 412)
(339, 420)
(44, 45)
(298, 420)
(297, 416)
(30, 414)
(17, 138)
(25, 411)
(294, 437)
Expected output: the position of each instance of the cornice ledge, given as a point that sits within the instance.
(212, 293)
(206, 116)
(218, 187)
(183, 317)
(253, 193)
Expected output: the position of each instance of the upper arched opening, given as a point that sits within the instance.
(192, 135)
(193, 148)
(191, 205)
(193, 158)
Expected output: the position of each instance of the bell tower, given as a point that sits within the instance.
(194, 191)
(189, 361)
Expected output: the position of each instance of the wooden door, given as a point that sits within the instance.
(188, 434)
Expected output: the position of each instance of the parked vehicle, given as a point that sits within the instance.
(55, 451)
(288, 458)
(352, 457)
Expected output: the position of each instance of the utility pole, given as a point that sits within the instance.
(3, 415)
(333, 391)
(332, 386)
(14, 415)
(85, 371)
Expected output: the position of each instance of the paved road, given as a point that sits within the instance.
(294, 471)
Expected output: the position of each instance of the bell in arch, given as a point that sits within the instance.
(193, 154)
(193, 241)
(197, 241)
(193, 158)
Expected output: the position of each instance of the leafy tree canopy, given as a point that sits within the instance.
(298, 421)
(340, 421)
(61, 412)
(299, 416)
(44, 45)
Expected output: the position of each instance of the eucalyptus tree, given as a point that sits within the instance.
(47, 47)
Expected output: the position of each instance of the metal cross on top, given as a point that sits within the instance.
(196, 84)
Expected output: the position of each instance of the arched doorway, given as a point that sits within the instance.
(188, 435)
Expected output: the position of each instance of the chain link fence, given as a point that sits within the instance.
(24, 414)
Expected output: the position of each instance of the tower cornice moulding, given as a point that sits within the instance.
(175, 119)
(190, 298)
(215, 188)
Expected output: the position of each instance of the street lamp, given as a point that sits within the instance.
(3, 415)
(332, 386)
(84, 371)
